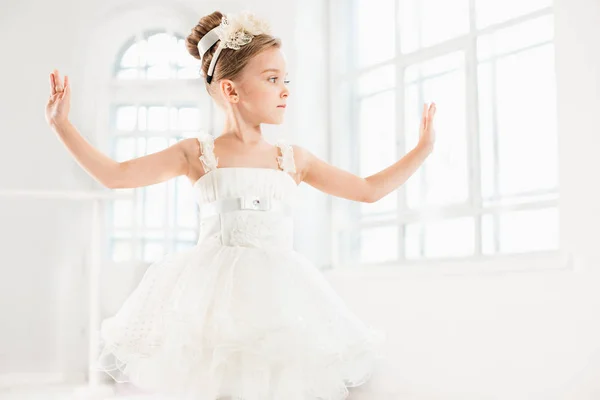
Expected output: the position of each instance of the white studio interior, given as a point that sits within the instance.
(483, 269)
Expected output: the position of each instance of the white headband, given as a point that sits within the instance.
(234, 32)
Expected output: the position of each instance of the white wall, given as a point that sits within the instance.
(41, 241)
(507, 335)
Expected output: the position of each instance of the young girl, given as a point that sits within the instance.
(240, 315)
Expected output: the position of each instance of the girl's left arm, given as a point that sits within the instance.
(338, 182)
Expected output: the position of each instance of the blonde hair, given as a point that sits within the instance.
(230, 62)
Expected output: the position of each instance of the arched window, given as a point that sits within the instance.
(155, 101)
(491, 185)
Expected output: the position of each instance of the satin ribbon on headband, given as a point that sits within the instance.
(234, 32)
(204, 45)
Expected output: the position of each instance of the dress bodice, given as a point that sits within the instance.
(252, 225)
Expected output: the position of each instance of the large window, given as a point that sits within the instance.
(491, 185)
(154, 102)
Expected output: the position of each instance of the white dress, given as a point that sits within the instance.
(241, 315)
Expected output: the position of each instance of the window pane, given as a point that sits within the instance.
(379, 244)
(126, 118)
(413, 241)
(377, 130)
(450, 238)
(191, 66)
(159, 72)
(158, 118)
(155, 203)
(129, 73)
(153, 250)
(154, 235)
(124, 148)
(514, 38)
(187, 235)
(521, 231)
(160, 49)
(143, 52)
(183, 58)
(487, 130)
(121, 250)
(140, 194)
(447, 238)
(156, 144)
(187, 215)
(415, 189)
(190, 134)
(377, 80)
(189, 118)
(180, 246)
(142, 118)
(435, 66)
(122, 211)
(443, 178)
(376, 33)
(409, 25)
(155, 196)
(173, 120)
(141, 146)
(512, 127)
(428, 22)
(172, 198)
(130, 57)
(189, 73)
(347, 246)
(490, 12)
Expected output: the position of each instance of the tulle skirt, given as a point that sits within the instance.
(249, 323)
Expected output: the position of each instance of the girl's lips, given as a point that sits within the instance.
(282, 106)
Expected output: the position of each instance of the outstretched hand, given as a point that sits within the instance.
(57, 109)
(426, 130)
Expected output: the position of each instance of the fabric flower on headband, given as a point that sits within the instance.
(234, 32)
(238, 30)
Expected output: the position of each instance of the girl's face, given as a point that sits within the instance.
(262, 88)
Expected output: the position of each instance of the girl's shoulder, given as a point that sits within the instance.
(195, 146)
(295, 155)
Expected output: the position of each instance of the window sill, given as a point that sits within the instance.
(514, 263)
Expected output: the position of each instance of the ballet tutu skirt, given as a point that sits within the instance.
(240, 315)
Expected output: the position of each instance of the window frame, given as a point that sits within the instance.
(172, 92)
(343, 82)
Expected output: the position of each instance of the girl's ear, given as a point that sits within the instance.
(228, 90)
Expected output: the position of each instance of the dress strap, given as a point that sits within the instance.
(286, 160)
(207, 157)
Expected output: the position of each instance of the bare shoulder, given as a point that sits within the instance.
(190, 147)
(301, 154)
(192, 151)
(302, 158)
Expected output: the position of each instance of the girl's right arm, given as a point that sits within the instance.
(142, 171)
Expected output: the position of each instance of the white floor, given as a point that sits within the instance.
(119, 392)
(62, 392)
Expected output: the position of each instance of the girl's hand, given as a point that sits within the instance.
(426, 130)
(57, 109)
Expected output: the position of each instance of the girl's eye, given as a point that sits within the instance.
(274, 77)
